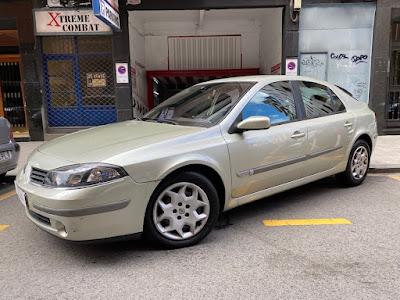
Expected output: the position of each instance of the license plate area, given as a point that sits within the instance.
(4, 155)
(21, 195)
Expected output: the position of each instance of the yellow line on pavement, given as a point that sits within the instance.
(394, 177)
(306, 222)
(7, 195)
(2, 227)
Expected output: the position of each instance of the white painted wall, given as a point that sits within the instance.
(156, 34)
(138, 61)
(271, 41)
(260, 30)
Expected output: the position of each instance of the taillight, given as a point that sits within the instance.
(11, 133)
(376, 118)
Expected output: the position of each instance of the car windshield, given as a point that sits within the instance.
(202, 105)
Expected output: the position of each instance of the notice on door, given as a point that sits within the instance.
(96, 79)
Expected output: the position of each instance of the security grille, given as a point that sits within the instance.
(12, 94)
(79, 80)
(204, 52)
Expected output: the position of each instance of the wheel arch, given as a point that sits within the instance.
(208, 172)
(367, 139)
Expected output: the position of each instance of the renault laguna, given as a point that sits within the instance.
(212, 147)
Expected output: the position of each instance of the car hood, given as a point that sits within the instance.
(100, 143)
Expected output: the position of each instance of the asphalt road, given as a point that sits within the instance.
(241, 259)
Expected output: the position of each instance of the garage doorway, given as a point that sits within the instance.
(172, 50)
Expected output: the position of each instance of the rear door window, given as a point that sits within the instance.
(316, 98)
(337, 103)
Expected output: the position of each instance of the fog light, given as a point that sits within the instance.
(61, 229)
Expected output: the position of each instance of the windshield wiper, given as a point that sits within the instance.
(167, 121)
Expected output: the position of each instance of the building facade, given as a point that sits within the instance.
(70, 71)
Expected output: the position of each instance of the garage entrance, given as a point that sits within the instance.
(172, 50)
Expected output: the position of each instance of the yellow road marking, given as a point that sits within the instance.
(394, 177)
(2, 227)
(306, 222)
(7, 195)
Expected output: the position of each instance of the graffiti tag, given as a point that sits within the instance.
(312, 62)
(339, 56)
(359, 59)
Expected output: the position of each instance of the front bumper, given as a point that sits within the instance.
(108, 210)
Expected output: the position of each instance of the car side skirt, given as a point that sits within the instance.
(286, 186)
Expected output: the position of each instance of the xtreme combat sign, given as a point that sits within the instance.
(68, 22)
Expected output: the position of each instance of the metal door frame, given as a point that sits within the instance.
(77, 111)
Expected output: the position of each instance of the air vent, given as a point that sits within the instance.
(37, 176)
(205, 52)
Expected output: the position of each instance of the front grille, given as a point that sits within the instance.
(37, 176)
(40, 218)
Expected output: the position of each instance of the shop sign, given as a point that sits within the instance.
(121, 69)
(68, 22)
(108, 12)
(96, 79)
(291, 66)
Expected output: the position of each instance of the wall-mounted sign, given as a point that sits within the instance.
(108, 12)
(291, 66)
(121, 69)
(96, 79)
(68, 22)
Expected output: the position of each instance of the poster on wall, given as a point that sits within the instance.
(314, 65)
(350, 70)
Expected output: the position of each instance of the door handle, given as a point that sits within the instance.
(297, 135)
(348, 124)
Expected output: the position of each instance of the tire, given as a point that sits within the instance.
(2, 177)
(182, 211)
(357, 165)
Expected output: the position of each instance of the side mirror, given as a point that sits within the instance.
(254, 123)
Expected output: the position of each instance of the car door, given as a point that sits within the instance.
(329, 126)
(261, 159)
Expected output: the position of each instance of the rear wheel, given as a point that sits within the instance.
(182, 211)
(357, 165)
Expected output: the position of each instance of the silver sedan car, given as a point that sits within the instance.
(9, 149)
(210, 148)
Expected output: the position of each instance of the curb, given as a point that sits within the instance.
(378, 170)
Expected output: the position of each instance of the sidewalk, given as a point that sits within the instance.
(385, 158)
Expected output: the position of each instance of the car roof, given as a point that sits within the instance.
(265, 78)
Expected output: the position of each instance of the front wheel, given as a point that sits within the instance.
(357, 165)
(182, 211)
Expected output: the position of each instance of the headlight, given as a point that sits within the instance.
(83, 175)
